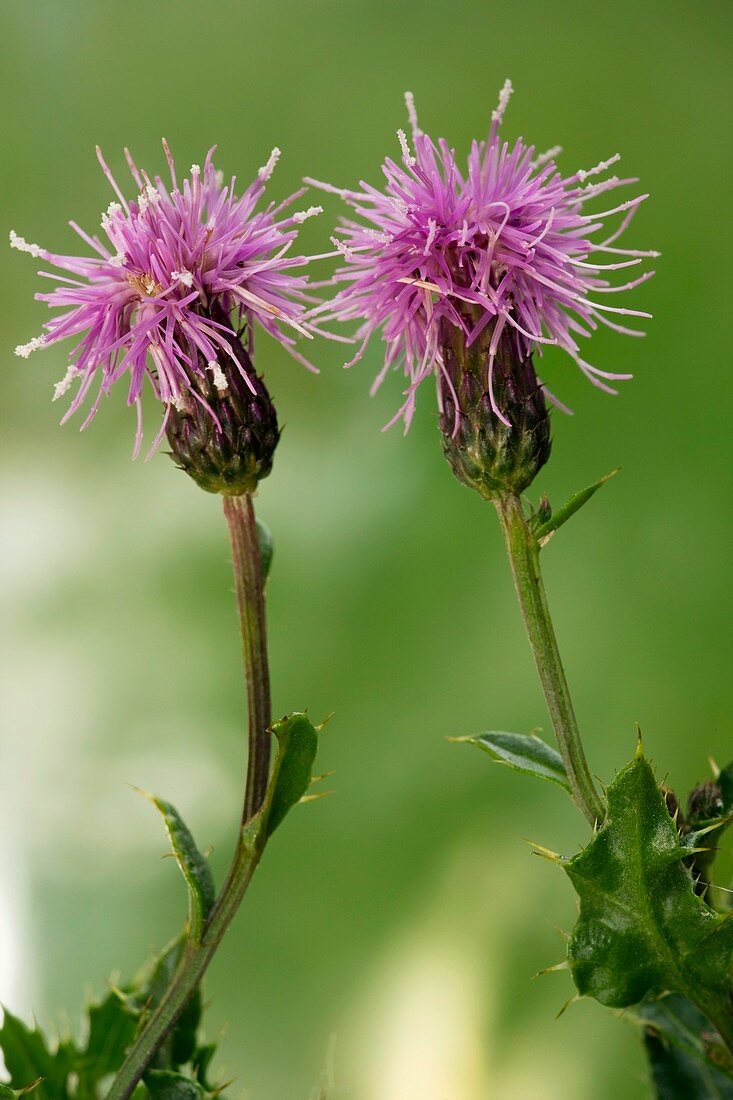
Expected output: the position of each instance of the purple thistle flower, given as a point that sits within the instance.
(505, 244)
(155, 301)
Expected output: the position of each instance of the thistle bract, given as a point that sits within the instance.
(490, 453)
(501, 247)
(161, 299)
(224, 432)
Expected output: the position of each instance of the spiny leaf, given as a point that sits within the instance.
(193, 865)
(267, 547)
(79, 1070)
(28, 1058)
(701, 838)
(524, 753)
(543, 532)
(681, 1060)
(642, 929)
(291, 775)
(112, 1026)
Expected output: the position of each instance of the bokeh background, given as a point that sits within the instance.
(405, 914)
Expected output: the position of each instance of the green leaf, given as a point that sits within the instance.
(642, 930)
(79, 1071)
(164, 1084)
(543, 532)
(524, 753)
(706, 836)
(681, 1059)
(293, 770)
(267, 547)
(28, 1058)
(194, 866)
(112, 1027)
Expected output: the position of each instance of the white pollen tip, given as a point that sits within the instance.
(548, 155)
(604, 164)
(412, 113)
(111, 212)
(184, 277)
(406, 154)
(195, 169)
(177, 402)
(24, 350)
(23, 245)
(311, 212)
(117, 260)
(64, 385)
(504, 96)
(342, 247)
(149, 196)
(218, 376)
(266, 170)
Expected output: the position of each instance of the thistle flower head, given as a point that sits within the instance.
(180, 271)
(501, 249)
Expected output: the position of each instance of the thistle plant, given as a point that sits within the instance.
(469, 273)
(173, 296)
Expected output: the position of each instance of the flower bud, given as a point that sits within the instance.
(705, 802)
(485, 453)
(226, 441)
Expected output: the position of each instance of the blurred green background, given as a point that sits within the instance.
(404, 915)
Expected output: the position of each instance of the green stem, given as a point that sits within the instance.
(524, 556)
(248, 579)
(197, 955)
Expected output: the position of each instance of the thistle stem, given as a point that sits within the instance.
(524, 557)
(249, 583)
(197, 954)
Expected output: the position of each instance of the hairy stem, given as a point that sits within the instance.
(197, 955)
(524, 557)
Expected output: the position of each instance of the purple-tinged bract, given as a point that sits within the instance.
(181, 272)
(503, 247)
